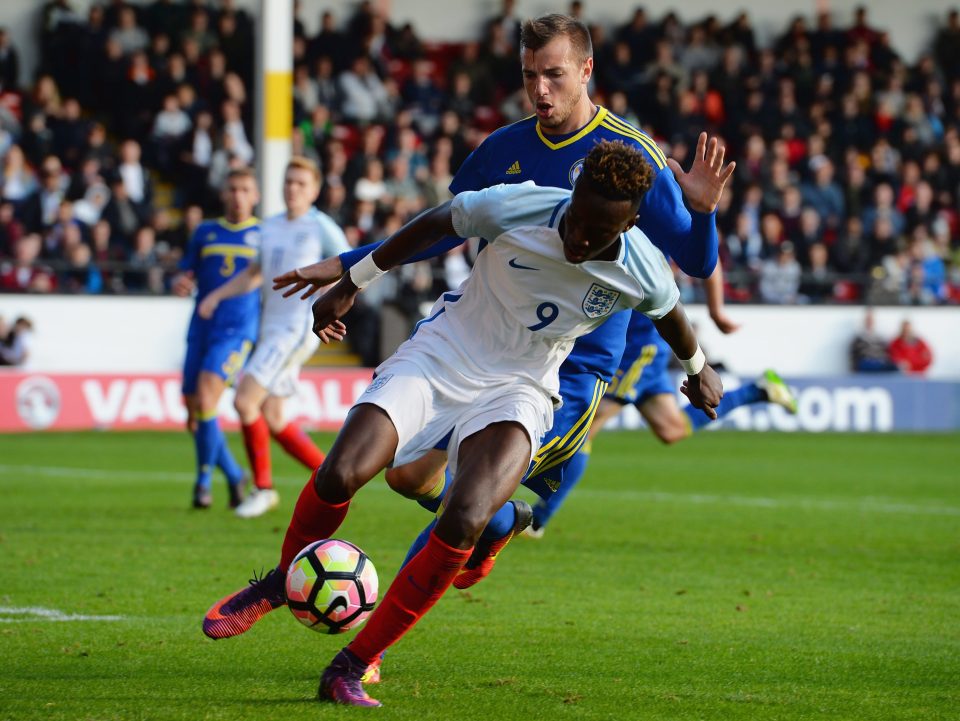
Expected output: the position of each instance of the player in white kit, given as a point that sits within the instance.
(302, 234)
(484, 363)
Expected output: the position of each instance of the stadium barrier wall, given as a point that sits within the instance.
(861, 403)
(82, 401)
(81, 334)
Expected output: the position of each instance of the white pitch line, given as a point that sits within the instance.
(863, 505)
(868, 505)
(39, 613)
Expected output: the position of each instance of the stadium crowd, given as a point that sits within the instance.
(846, 190)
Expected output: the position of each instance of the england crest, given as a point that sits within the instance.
(378, 382)
(599, 301)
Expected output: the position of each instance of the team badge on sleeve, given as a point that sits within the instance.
(599, 301)
(379, 382)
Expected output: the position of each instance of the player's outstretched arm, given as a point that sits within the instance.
(415, 237)
(310, 278)
(246, 280)
(702, 386)
(718, 313)
(314, 277)
(704, 183)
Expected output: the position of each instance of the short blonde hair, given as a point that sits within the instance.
(301, 163)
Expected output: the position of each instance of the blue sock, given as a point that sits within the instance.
(742, 396)
(501, 524)
(208, 440)
(419, 543)
(572, 473)
(228, 464)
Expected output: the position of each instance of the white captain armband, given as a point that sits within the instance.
(694, 365)
(365, 272)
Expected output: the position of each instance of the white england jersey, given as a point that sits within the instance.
(289, 244)
(524, 304)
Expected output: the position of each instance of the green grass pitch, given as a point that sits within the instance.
(734, 576)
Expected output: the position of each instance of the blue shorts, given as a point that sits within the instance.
(643, 372)
(220, 354)
(581, 392)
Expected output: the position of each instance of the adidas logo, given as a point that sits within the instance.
(514, 169)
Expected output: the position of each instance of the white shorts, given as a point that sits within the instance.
(277, 358)
(425, 400)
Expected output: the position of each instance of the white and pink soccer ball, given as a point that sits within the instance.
(331, 586)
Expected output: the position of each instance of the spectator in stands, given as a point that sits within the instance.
(9, 62)
(16, 344)
(122, 214)
(233, 126)
(423, 97)
(817, 280)
(927, 284)
(70, 132)
(909, 352)
(780, 277)
(131, 37)
(11, 230)
(18, 181)
(195, 156)
(364, 95)
(23, 273)
(62, 234)
(136, 179)
(39, 210)
(170, 126)
(80, 274)
(868, 350)
(883, 241)
(144, 273)
(824, 194)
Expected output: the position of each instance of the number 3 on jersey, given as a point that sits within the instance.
(547, 313)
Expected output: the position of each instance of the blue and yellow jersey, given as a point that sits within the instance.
(217, 251)
(521, 151)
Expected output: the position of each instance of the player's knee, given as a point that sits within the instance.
(337, 481)
(463, 524)
(401, 480)
(207, 401)
(671, 433)
(246, 407)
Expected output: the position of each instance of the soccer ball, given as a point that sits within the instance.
(331, 586)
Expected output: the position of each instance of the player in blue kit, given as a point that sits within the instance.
(677, 214)
(643, 380)
(217, 348)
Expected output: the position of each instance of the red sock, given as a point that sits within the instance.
(256, 438)
(297, 443)
(313, 519)
(413, 592)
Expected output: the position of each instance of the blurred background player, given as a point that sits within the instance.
(218, 344)
(299, 236)
(644, 380)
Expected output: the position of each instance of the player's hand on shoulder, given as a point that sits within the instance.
(310, 278)
(183, 285)
(330, 307)
(703, 184)
(704, 390)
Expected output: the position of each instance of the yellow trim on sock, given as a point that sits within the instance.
(208, 416)
(433, 492)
